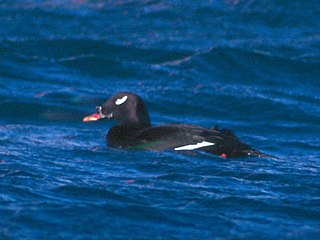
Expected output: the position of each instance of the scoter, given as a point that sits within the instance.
(135, 131)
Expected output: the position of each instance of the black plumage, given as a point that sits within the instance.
(135, 131)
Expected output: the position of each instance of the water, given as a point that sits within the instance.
(252, 66)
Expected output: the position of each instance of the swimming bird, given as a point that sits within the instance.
(134, 131)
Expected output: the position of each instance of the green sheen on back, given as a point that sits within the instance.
(150, 145)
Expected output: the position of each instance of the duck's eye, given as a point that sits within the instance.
(120, 101)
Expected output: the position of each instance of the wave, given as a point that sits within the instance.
(15, 110)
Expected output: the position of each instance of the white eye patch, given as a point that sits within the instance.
(121, 100)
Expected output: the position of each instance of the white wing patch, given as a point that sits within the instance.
(121, 100)
(195, 146)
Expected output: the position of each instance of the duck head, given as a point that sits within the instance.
(125, 107)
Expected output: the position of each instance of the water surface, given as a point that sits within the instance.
(252, 66)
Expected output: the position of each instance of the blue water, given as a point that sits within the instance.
(249, 65)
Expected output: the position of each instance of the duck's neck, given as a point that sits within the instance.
(134, 125)
(124, 134)
(138, 118)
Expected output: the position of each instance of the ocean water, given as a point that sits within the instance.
(252, 66)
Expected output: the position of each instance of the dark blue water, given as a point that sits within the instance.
(252, 66)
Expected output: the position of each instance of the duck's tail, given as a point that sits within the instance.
(245, 150)
(255, 153)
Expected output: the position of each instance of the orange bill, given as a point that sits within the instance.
(93, 117)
